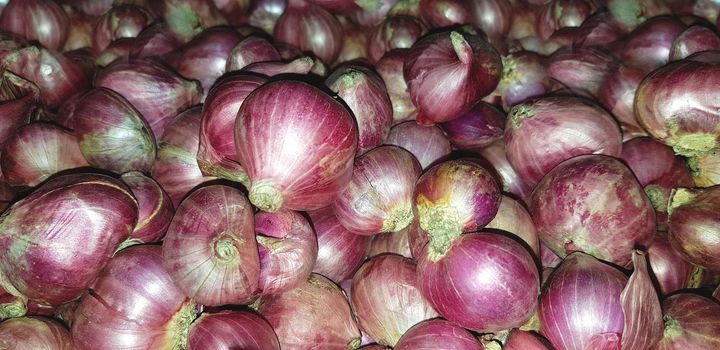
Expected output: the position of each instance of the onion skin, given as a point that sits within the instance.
(705, 169)
(230, 330)
(155, 209)
(643, 323)
(580, 69)
(494, 17)
(593, 204)
(209, 249)
(60, 236)
(445, 13)
(301, 65)
(279, 179)
(648, 46)
(155, 41)
(522, 340)
(355, 41)
(265, 13)
(340, 252)
(108, 317)
(372, 13)
(694, 39)
(438, 334)
(44, 21)
(542, 133)
(524, 77)
(30, 333)
(390, 68)
(512, 217)
(599, 30)
(670, 270)
(36, 151)
(157, 92)
(391, 242)
(310, 28)
(18, 100)
(617, 94)
(558, 14)
(511, 181)
(379, 196)
(692, 225)
(120, 21)
(251, 50)
(480, 126)
(448, 72)
(691, 322)
(386, 298)
(365, 93)
(485, 282)
(316, 313)
(426, 143)
(396, 32)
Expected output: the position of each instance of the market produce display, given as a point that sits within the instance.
(356, 174)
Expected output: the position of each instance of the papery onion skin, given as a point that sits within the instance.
(691, 322)
(693, 225)
(512, 217)
(18, 100)
(593, 204)
(483, 281)
(70, 226)
(669, 269)
(396, 32)
(44, 21)
(617, 94)
(391, 242)
(648, 46)
(580, 69)
(386, 298)
(36, 151)
(279, 178)
(379, 196)
(31, 333)
(109, 317)
(314, 314)
(694, 39)
(155, 209)
(426, 143)
(581, 299)
(705, 169)
(438, 334)
(390, 68)
(121, 21)
(310, 28)
(232, 329)
(340, 252)
(522, 340)
(447, 73)
(524, 77)
(250, 50)
(476, 128)
(542, 133)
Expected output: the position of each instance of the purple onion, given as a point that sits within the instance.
(582, 70)
(524, 77)
(120, 21)
(251, 50)
(426, 143)
(155, 209)
(390, 68)
(230, 330)
(693, 225)
(694, 39)
(648, 46)
(480, 126)
(396, 32)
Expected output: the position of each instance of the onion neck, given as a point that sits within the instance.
(224, 249)
(398, 219)
(13, 309)
(355, 343)
(266, 197)
(673, 329)
(442, 224)
(518, 114)
(179, 326)
(462, 49)
(657, 197)
(679, 197)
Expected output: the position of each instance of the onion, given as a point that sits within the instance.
(512, 217)
(483, 281)
(205, 57)
(386, 298)
(448, 72)
(18, 100)
(480, 126)
(593, 204)
(91, 7)
(494, 17)
(121, 21)
(426, 143)
(176, 168)
(109, 317)
(558, 14)
(187, 18)
(542, 133)
(158, 93)
(693, 225)
(315, 165)
(669, 269)
(445, 13)
(251, 50)
(396, 32)
(310, 28)
(37, 20)
(522, 340)
(582, 70)
(265, 13)
(155, 210)
(548, 258)
(691, 322)
(372, 12)
(617, 94)
(355, 41)
(599, 30)
(120, 48)
(30, 333)
(340, 252)
(391, 242)
(390, 68)
(648, 46)
(288, 250)
(337, 6)
(694, 39)
(105, 124)
(511, 181)
(80, 31)
(155, 41)
(313, 314)
(706, 169)
(36, 151)
(438, 334)
(524, 17)
(232, 330)
(630, 14)
(63, 234)
(524, 77)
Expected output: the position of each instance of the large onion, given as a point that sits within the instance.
(231, 330)
(426, 143)
(340, 252)
(32, 333)
(310, 28)
(693, 225)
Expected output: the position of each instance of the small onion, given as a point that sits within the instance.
(391, 242)
(155, 209)
(512, 217)
(373, 12)
(340, 252)
(42, 20)
(310, 28)
(522, 340)
(693, 225)
(494, 17)
(386, 298)
(691, 322)
(187, 18)
(582, 70)
(121, 21)
(599, 30)
(118, 49)
(511, 182)
(32, 333)
(155, 41)
(438, 334)
(648, 46)
(524, 77)
(355, 41)
(231, 330)
(631, 13)
(694, 39)
(670, 270)
(480, 126)
(445, 13)
(265, 13)
(558, 14)
(80, 31)
(617, 94)
(315, 165)
(426, 143)
(18, 100)
(396, 32)
(251, 50)
(390, 68)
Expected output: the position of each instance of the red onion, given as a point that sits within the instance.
(205, 57)
(355, 41)
(512, 217)
(314, 314)
(705, 169)
(251, 50)
(494, 17)
(63, 234)
(524, 77)
(438, 334)
(522, 340)
(301, 65)
(187, 18)
(337, 6)
(18, 100)
(548, 258)
(80, 31)
(340, 252)
(155, 41)
(176, 168)
(694, 39)
(542, 133)
(511, 181)
(91, 7)
(485, 282)
(391, 242)
(295, 164)
(630, 14)
(7, 195)
(158, 93)
(617, 94)
(155, 210)
(310, 28)
(38, 150)
(693, 225)
(599, 30)
(57, 76)
(390, 68)
(558, 14)
(232, 330)
(37, 20)
(480, 126)
(593, 204)
(426, 143)
(580, 69)
(648, 46)
(121, 21)
(397, 32)
(120, 48)
(12, 306)
(691, 322)
(31, 333)
(386, 299)
(265, 13)
(524, 17)
(288, 250)
(105, 124)
(448, 72)
(372, 12)
(133, 304)
(445, 13)
(670, 270)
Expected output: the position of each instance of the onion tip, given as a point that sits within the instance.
(266, 197)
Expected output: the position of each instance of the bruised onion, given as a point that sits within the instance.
(448, 72)
(396, 32)
(63, 234)
(386, 299)
(38, 150)
(340, 252)
(693, 225)
(155, 210)
(121, 21)
(694, 39)
(511, 181)
(231, 330)
(524, 76)
(593, 204)
(31, 333)
(310, 28)
(512, 217)
(426, 143)
(390, 68)
(691, 322)
(314, 314)
(438, 334)
(582, 70)
(476, 128)
(558, 14)
(391, 242)
(543, 132)
(294, 164)
(648, 46)
(108, 317)
(37, 20)
(670, 270)
(250, 50)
